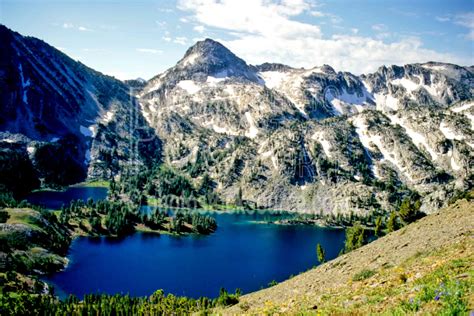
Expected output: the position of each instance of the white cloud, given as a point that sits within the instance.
(463, 19)
(466, 20)
(149, 51)
(167, 38)
(166, 10)
(199, 28)
(443, 18)
(67, 25)
(334, 19)
(264, 18)
(180, 40)
(267, 31)
(379, 27)
(161, 24)
(317, 14)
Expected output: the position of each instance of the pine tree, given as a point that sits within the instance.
(355, 237)
(320, 253)
(392, 224)
(378, 226)
(409, 212)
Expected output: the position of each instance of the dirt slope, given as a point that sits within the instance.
(389, 275)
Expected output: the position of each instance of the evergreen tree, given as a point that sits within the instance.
(378, 226)
(4, 216)
(392, 223)
(409, 212)
(320, 253)
(355, 237)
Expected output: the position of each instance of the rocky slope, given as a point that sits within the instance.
(308, 140)
(312, 139)
(53, 106)
(425, 267)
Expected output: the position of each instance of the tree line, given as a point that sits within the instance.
(119, 218)
(102, 304)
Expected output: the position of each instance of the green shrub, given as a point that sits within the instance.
(4, 216)
(362, 275)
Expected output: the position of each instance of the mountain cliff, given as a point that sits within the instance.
(315, 139)
(68, 118)
(309, 140)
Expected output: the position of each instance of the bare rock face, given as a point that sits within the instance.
(309, 140)
(315, 139)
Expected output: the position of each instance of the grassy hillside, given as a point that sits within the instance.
(425, 267)
(32, 242)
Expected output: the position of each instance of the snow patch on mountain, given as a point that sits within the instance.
(189, 86)
(385, 101)
(463, 107)
(224, 130)
(190, 59)
(275, 162)
(408, 84)
(454, 165)
(253, 131)
(273, 79)
(216, 78)
(319, 136)
(417, 138)
(387, 155)
(345, 102)
(108, 117)
(435, 67)
(24, 84)
(368, 140)
(9, 140)
(361, 130)
(87, 157)
(88, 131)
(448, 132)
(31, 150)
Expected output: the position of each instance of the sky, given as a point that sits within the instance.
(132, 39)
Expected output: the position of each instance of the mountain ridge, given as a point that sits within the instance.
(308, 97)
(308, 140)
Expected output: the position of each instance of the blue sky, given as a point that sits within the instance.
(130, 39)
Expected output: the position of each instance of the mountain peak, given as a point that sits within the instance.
(208, 47)
(211, 57)
(210, 52)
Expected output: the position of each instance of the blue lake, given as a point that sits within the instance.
(55, 199)
(240, 254)
(243, 253)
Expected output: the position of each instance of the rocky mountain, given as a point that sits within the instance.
(313, 140)
(69, 119)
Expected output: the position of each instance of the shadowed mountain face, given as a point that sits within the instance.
(287, 138)
(47, 94)
(64, 114)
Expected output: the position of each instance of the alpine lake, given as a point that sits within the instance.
(245, 252)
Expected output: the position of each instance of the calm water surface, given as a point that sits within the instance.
(55, 199)
(242, 253)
